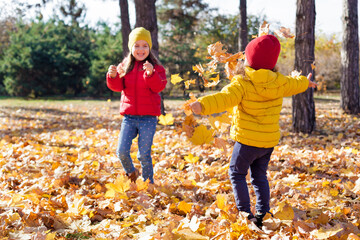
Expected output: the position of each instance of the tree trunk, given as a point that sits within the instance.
(303, 112)
(350, 58)
(146, 17)
(125, 25)
(243, 32)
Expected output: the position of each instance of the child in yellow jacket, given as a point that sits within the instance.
(256, 98)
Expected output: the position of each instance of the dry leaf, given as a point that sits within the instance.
(167, 119)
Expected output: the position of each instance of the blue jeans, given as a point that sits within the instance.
(257, 159)
(131, 126)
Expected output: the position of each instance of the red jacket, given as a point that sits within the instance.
(139, 92)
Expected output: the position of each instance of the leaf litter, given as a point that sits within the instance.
(60, 178)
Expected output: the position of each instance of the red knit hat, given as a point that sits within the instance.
(263, 52)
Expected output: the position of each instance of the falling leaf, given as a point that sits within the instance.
(175, 79)
(214, 81)
(264, 29)
(186, 106)
(167, 119)
(284, 32)
(199, 69)
(216, 49)
(188, 125)
(202, 135)
(313, 66)
(189, 82)
(221, 143)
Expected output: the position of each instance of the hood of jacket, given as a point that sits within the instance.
(267, 83)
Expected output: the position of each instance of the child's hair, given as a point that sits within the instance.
(240, 68)
(129, 62)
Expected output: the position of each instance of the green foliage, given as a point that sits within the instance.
(45, 59)
(179, 23)
(224, 28)
(106, 51)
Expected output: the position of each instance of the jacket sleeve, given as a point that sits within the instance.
(157, 80)
(295, 85)
(116, 84)
(230, 96)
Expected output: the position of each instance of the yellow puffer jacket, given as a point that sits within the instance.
(256, 100)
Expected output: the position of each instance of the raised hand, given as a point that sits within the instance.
(196, 107)
(311, 83)
(148, 67)
(120, 69)
(112, 71)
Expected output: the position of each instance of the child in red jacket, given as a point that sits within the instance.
(140, 78)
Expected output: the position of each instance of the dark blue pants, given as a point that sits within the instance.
(145, 127)
(257, 159)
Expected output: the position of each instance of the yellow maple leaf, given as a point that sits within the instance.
(221, 201)
(284, 211)
(202, 135)
(121, 185)
(50, 236)
(326, 233)
(184, 207)
(334, 192)
(142, 185)
(191, 158)
(77, 207)
(167, 119)
(175, 79)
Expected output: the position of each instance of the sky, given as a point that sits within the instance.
(328, 12)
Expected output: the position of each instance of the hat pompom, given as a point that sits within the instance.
(263, 52)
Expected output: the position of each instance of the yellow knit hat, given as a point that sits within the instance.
(137, 34)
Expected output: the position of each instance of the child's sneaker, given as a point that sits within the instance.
(134, 175)
(259, 219)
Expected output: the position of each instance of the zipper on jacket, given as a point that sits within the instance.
(136, 79)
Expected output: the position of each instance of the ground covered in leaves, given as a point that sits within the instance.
(60, 178)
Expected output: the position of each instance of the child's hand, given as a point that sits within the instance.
(148, 67)
(112, 71)
(196, 107)
(311, 83)
(120, 69)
